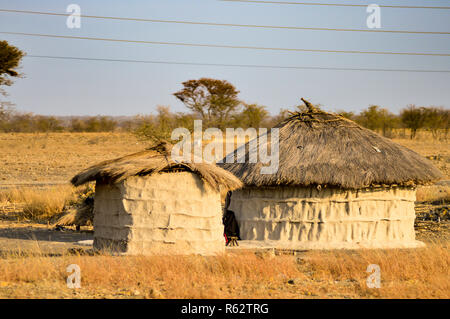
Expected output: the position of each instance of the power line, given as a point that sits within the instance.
(223, 46)
(335, 4)
(235, 65)
(223, 24)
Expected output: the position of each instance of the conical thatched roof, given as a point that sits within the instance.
(154, 160)
(319, 148)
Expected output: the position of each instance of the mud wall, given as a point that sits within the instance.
(327, 218)
(170, 213)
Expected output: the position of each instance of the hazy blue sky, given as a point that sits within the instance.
(63, 87)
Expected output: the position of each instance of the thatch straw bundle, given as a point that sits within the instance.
(155, 160)
(80, 215)
(320, 148)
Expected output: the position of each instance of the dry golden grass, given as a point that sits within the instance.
(413, 273)
(407, 273)
(55, 157)
(38, 203)
(438, 151)
(29, 158)
(433, 193)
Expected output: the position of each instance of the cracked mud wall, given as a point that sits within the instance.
(169, 213)
(327, 218)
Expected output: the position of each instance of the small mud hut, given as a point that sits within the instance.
(338, 185)
(146, 203)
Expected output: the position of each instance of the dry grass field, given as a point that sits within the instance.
(420, 273)
(34, 257)
(34, 158)
(38, 158)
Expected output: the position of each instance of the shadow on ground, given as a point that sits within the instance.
(32, 240)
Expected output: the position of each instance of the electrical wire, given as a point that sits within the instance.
(336, 4)
(224, 46)
(235, 65)
(225, 24)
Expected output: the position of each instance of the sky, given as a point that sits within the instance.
(73, 87)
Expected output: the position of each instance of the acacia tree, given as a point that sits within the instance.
(413, 118)
(346, 114)
(253, 115)
(214, 100)
(10, 57)
(436, 118)
(377, 119)
(159, 127)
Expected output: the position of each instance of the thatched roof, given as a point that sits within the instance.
(155, 160)
(320, 148)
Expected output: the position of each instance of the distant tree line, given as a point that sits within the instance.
(433, 119)
(216, 103)
(12, 121)
(410, 120)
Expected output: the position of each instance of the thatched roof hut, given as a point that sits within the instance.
(337, 185)
(146, 203)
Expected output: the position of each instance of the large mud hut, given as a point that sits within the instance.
(146, 203)
(338, 185)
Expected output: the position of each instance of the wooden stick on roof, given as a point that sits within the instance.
(310, 107)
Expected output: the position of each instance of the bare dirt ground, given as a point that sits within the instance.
(436, 151)
(39, 159)
(23, 238)
(26, 236)
(33, 255)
